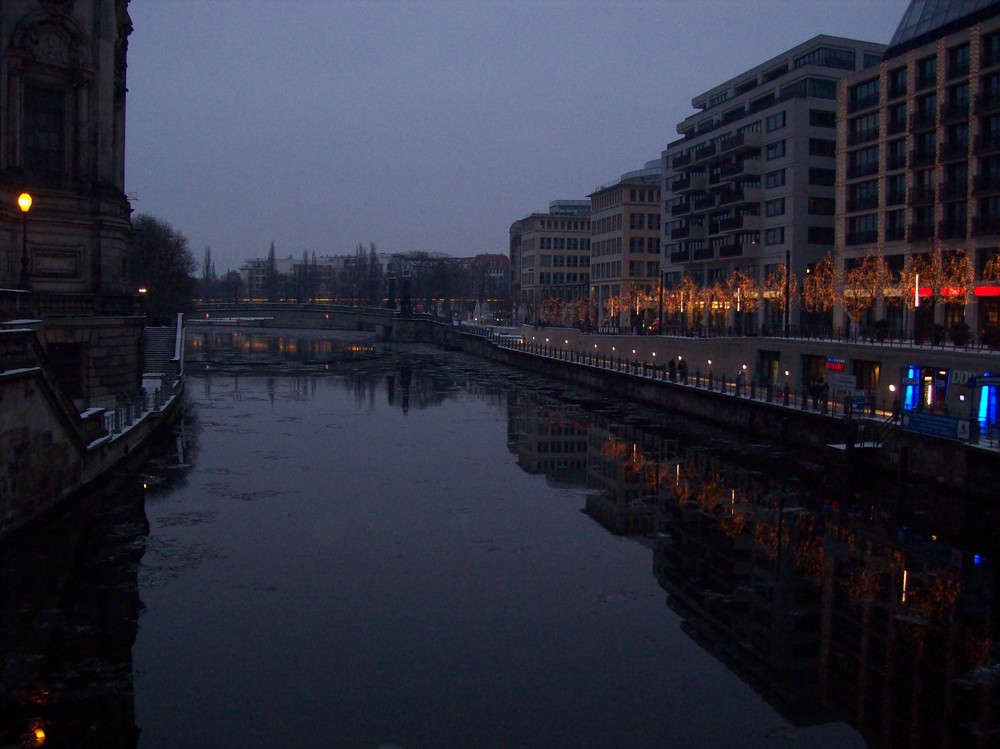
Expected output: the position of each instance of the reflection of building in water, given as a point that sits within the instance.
(239, 346)
(907, 643)
(546, 438)
(738, 558)
(624, 467)
(67, 629)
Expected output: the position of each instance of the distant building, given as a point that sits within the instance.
(750, 184)
(919, 155)
(62, 132)
(550, 257)
(625, 237)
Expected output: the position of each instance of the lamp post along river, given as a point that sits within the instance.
(24, 203)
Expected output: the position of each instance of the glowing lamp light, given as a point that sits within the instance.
(38, 734)
(24, 203)
(892, 388)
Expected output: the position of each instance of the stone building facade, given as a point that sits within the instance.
(62, 141)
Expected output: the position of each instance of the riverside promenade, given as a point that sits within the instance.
(853, 428)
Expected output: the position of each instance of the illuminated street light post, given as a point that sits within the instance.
(24, 203)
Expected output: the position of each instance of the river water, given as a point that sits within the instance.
(404, 547)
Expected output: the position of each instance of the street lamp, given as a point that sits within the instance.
(24, 203)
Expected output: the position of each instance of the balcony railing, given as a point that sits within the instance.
(682, 160)
(730, 250)
(680, 209)
(704, 253)
(728, 197)
(703, 203)
(742, 141)
(680, 256)
(705, 152)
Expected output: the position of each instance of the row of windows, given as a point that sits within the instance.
(546, 277)
(563, 243)
(644, 244)
(563, 224)
(644, 196)
(563, 261)
(644, 221)
(612, 269)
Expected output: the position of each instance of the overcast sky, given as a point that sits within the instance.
(418, 125)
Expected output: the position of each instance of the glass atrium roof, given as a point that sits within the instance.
(926, 16)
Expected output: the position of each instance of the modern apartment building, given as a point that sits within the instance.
(625, 237)
(749, 186)
(919, 151)
(550, 259)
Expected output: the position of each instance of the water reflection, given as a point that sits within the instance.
(68, 621)
(876, 606)
(222, 346)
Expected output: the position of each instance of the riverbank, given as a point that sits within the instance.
(847, 439)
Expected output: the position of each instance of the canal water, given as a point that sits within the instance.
(404, 547)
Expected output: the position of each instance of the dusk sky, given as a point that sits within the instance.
(319, 124)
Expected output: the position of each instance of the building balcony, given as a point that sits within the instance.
(951, 229)
(862, 136)
(742, 142)
(864, 203)
(680, 161)
(921, 195)
(923, 120)
(748, 222)
(680, 256)
(987, 102)
(680, 209)
(951, 189)
(921, 157)
(703, 202)
(984, 225)
(689, 231)
(986, 144)
(920, 231)
(705, 152)
(691, 182)
(748, 167)
(704, 253)
(730, 250)
(953, 151)
(986, 184)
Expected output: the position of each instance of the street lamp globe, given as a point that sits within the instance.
(24, 202)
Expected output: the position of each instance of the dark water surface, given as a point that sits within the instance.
(424, 550)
